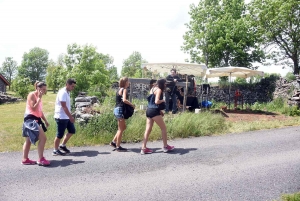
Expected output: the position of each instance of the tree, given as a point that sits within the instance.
(220, 34)
(87, 68)
(34, 65)
(132, 66)
(278, 23)
(113, 73)
(22, 86)
(56, 75)
(9, 69)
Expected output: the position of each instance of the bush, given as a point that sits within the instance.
(290, 77)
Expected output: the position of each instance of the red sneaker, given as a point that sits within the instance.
(146, 151)
(43, 162)
(168, 148)
(28, 162)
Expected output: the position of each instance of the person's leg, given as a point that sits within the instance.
(167, 100)
(56, 143)
(160, 122)
(42, 142)
(66, 138)
(121, 128)
(61, 127)
(71, 132)
(174, 101)
(149, 125)
(26, 148)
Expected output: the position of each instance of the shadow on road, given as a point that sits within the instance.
(63, 163)
(88, 153)
(180, 151)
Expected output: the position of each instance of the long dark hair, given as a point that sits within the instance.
(161, 84)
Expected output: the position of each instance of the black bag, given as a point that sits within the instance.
(127, 111)
(162, 106)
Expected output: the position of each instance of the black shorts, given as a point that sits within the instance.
(152, 112)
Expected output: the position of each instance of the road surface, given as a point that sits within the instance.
(259, 165)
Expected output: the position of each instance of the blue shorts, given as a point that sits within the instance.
(62, 125)
(118, 112)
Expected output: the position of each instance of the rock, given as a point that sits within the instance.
(295, 98)
(82, 104)
(86, 116)
(83, 99)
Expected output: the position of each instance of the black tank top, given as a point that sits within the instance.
(119, 101)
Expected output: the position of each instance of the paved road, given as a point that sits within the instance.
(258, 165)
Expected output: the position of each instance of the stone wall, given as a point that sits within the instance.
(259, 92)
(5, 98)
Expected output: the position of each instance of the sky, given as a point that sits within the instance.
(155, 28)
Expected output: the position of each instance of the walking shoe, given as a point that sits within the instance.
(146, 151)
(58, 153)
(168, 148)
(43, 162)
(64, 148)
(113, 144)
(121, 149)
(28, 162)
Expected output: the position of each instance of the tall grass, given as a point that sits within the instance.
(101, 129)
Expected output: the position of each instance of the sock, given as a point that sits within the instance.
(63, 145)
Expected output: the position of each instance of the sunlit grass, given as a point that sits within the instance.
(102, 129)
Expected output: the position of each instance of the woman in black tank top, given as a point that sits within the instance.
(121, 98)
(154, 114)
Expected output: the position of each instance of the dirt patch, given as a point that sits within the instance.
(249, 115)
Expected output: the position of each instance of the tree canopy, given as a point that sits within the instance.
(9, 69)
(278, 24)
(220, 34)
(34, 64)
(84, 64)
(132, 65)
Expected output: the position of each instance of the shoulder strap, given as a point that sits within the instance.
(154, 90)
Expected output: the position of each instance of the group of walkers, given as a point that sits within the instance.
(34, 128)
(153, 113)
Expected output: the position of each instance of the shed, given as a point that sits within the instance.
(3, 83)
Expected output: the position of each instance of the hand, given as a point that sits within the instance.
(133, 105)
(161, 113)
(47, 124)
(72, 120)
(40, 93)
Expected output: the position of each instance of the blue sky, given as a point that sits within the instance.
(116, 27)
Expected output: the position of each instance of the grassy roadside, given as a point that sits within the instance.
(101, 130)
(291, 197)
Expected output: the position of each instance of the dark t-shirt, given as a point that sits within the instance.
(171, 86)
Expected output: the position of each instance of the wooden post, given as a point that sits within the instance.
(131, 91)
(185, 94)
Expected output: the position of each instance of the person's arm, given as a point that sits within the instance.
(66, 110)
(125, 98)
(169, 78)
(45, 120)
(157, 95)
(33, 103)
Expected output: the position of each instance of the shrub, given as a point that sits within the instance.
(290, 77)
